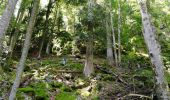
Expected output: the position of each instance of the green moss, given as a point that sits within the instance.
(66, 96)
(56, 84)
(144, 77)
(145, 72)
(96, 98)
(26, 90)
(20, 96)
(107, 77)
(39, 90)
(66, 89)
(74, 66)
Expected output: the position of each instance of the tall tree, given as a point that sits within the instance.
(56, 16)
(154, 52)
(50, 5)
(113, 34)
(119, 31)
(88, 69)
(5, 20)
(109, 40)
(20, 16)
(20, 67)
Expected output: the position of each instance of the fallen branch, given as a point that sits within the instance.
(137, 95)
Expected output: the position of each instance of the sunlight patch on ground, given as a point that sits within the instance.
(89, 90)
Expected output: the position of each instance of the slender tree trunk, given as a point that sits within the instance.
(88, 69)
(154, 52)
(113, 34)
(45, 28)
(5, 20)
(56, 13)
(20, 67)
(41, 45)
(14, 37)
(109, 43)
(48, 48)
(74, 47)
(119, 32)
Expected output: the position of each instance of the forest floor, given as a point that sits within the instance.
(49, 79)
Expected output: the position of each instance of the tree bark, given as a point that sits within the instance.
(113, 34)
(89, 68)
(5, 20)
(14, 36)
(45, 28)
(109, 43)
(48, 48)
(154, 52)
(56, 15)
(20, 67)
(119, 32)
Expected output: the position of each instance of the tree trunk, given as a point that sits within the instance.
(41, 45)
(56, 15)
(45, 28)
(14, 36)
(119, 32)
(109, 43)
(20, 67)
(154, 52)
(113, 34)
(48, 48)
(89, 68)
(5, 20)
